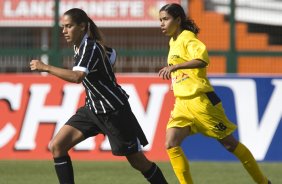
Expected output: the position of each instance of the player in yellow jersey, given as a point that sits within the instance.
(197, 108)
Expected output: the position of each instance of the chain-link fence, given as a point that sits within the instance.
(241, 36)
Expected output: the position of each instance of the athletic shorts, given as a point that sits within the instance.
(121, 126)
(203, 114)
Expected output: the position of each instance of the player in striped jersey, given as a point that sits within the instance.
(106, 109)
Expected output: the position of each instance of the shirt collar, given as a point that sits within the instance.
(76, 49)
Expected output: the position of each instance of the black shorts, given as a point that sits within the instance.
(121, 126)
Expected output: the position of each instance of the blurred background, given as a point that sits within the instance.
(242, 36)
(244, 41)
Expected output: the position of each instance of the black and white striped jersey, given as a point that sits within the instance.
(103, 94)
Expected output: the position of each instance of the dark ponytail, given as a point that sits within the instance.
(79, 16)
(94, 31)
(189, 24)
(175, 10)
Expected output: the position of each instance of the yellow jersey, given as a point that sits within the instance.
(188, 82)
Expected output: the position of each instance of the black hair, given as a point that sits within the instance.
(79, 16)
(176, 10)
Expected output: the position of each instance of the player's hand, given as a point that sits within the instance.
(166, 72)
(38, 65)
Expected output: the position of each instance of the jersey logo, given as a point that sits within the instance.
(174, 57)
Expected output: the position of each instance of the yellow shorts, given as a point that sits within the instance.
(203, 113)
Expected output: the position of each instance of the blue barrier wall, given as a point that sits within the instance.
(254, 104)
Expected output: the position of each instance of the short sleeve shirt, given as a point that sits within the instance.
(188, 82)
(103, 93)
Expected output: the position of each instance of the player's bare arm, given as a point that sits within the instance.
(166, 71)
(65, 74)
(195, 63)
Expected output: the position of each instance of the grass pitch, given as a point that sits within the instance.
(88, 172)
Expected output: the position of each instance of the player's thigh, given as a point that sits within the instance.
(180, 116)
(66, 138)
(210, 118)
(123, 130)
(175, 136)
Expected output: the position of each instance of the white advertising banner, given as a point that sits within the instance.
(105, 13)
(33, 108)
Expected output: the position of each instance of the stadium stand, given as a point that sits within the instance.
(259, 11)
(262, 16)
(250, 37)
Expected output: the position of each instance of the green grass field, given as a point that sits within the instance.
(88, 172)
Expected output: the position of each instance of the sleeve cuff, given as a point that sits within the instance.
(79, 68)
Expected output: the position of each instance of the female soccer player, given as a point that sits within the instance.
(197, 108)
(106, 109)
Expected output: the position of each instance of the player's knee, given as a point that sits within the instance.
(229, 143)
(52, 147)
(139, 162)
(136, 165)
(229, 147)
(170, 144)
(55, 149)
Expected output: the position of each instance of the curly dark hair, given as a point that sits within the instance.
(176, 10)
